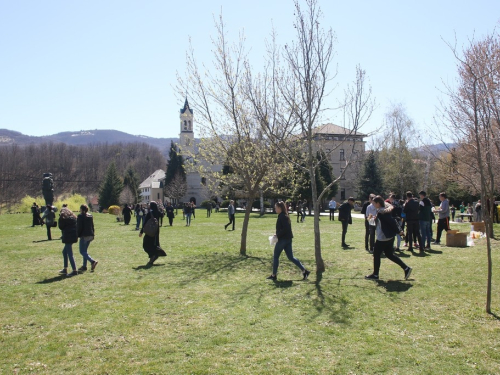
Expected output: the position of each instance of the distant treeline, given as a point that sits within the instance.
(75, 169)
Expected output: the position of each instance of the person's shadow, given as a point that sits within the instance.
(52, 279)
(394, 285)
(147, 266)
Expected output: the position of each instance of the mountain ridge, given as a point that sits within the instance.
(84, 137)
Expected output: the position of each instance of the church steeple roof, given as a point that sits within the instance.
(186, 107)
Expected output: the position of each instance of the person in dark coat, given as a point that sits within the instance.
(284, 235)
(85, 230)
(127, 214)
(411, 209)
(151, 245)
(35, 210)
(67, 225)
(345, 217)
(50, 218)
(170, 213)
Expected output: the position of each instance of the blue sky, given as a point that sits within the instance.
(80, 65)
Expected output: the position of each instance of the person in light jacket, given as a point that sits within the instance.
(230, 213)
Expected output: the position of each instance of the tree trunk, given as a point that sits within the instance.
(262, 208)
(320, 264)
(244, 228)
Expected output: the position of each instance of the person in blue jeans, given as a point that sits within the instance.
(425, 218)
(67, 225)
(85, 229)
(285, 236)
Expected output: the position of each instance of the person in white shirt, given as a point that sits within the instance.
(333, 206)
(370, 213)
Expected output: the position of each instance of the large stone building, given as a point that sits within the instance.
(342, 146)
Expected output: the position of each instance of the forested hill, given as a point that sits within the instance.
(85, 137)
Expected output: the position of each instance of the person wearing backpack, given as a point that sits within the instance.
(151, 241)
(67, 225)
(386, 230)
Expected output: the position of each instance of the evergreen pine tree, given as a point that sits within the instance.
(111, 188)
(371, 177)
(175, 164)
(131, 181)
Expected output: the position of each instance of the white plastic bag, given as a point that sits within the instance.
(470, 241)
(273, 240)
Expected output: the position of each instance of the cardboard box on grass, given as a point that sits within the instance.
(456, 239)
(479, 226)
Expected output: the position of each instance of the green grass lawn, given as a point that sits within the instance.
(206, 310)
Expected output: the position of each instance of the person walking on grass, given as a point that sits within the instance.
(230, 213)
(284, 235)
(299, 211)
(151, 244)
(85, 229)
(345, 217)
(67, 225)
(386, 229)
(444, 217)
(170, 213)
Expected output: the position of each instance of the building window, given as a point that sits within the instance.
(204, 181)
(158, 196)
(342, 155)
(342, 173)
(342, 194)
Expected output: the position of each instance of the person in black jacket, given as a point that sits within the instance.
(411, 210)
(386, 230)
(284, 235)
(85, 230)
(127, 214)
(170, 213)
(67, 225)
(151, 245)
(345, 217)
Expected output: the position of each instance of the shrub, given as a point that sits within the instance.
(208, 203)
(114, 210)
(256, 204)
(224, 204)
(74, 202)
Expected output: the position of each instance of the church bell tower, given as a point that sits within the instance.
(186, 136)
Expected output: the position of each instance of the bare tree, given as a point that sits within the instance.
(472, 118)
(302, 83)
(177, 188)
(231, 132)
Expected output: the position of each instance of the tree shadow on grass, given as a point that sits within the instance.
(42, 241)
(394, 285)
(334, 306)
(52, 279)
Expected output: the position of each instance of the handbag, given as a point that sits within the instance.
(151, 227)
